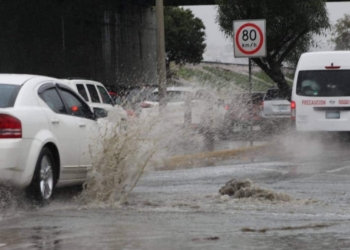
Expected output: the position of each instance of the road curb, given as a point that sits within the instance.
(196, 159)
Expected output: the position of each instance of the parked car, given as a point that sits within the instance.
(202, 102)
(134, 99)
(275, 110)
(45, 132)
(242, 112)
(96, 95)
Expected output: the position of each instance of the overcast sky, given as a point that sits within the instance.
(216, 39)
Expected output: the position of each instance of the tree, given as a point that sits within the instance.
(289, 29)
(341, 33)
(184, 36)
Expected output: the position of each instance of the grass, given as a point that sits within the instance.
(263, 76)
(221, 79)
(240, 80)
(205, 79)
(190, 74)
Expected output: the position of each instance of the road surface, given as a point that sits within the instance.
(182, 209)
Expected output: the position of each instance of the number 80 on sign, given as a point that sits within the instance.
(249, 38)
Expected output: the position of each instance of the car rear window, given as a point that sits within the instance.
(8, 95)
(274, 94)
(244, 99)
(323, 83)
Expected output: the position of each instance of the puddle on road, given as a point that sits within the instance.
(46, 237)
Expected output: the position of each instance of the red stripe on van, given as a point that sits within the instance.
(332, 67)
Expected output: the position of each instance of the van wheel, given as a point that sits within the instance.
(44, 179)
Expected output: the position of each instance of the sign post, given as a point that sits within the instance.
(249, 42)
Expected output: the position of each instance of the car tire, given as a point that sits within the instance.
(44, 179)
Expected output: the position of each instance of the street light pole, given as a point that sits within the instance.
(161, 55)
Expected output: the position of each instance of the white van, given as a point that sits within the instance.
(321, 92)
(96, 95)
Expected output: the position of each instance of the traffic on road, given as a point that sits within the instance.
(159, 148)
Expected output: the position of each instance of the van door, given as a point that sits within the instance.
(323, 100)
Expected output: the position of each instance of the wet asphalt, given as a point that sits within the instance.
(181, 209)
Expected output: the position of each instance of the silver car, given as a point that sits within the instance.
(275, 110)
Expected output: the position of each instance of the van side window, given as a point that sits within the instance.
(104, 95)
(93, 93)
(82, 91)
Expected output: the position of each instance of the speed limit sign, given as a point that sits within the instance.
(249, 38)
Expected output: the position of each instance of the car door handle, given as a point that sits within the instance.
(55, 121)
(82, 125)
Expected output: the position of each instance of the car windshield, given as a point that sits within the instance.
(274, 94)
(324, 83)
(8, 94)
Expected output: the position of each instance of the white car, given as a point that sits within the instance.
(202, 103)
(96, 95)
(45, 132)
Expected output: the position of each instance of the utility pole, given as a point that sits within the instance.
(161, 55)
(250, 102)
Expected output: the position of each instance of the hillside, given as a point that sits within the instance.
(224, 78)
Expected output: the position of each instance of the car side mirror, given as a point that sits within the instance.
(100, 113)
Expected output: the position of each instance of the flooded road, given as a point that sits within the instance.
(182, 209)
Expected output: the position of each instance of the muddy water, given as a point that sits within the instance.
(183, 210)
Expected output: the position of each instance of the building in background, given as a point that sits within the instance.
(109, 41)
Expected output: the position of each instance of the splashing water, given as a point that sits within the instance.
(120, 156)
(246, 189)
(10, 200)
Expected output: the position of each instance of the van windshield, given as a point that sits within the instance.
(324, 83)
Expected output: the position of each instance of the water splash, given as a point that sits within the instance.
(246, 189)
